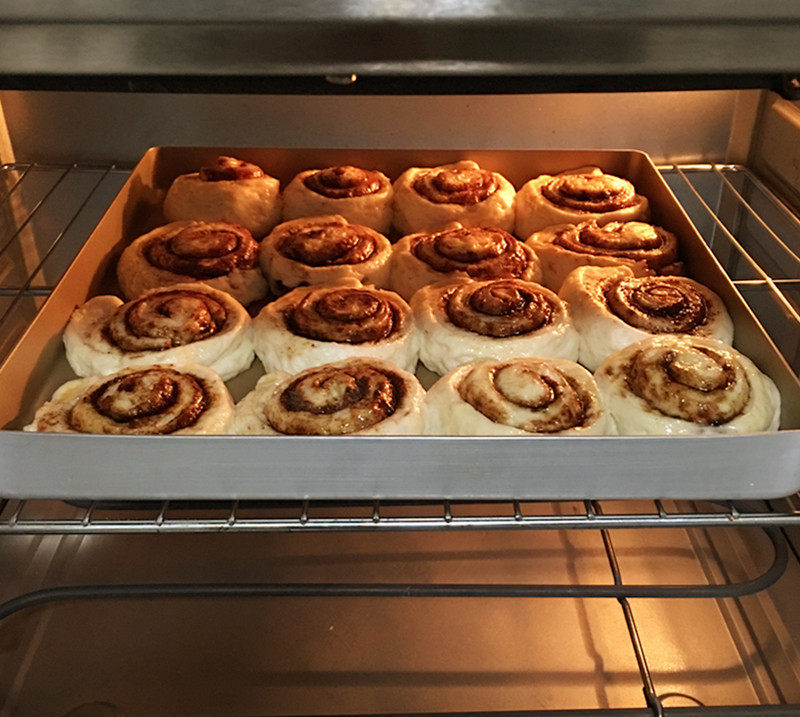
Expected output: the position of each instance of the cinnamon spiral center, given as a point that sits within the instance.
(481, 252)
(529, 394)
(629, 240)
(589, 192)
(455, 185)
(501, 308)
(163, 320)
(329, 244)
(155, 400)
(203, 251)
(344, 181)
(335, 400)
(658, 304)
(690, 382)
(229, 169)
(352, 316)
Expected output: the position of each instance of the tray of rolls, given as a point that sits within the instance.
(327, 323)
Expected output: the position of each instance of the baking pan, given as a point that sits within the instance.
(34, 465)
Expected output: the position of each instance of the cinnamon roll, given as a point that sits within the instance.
(611, 309)
(312, 325)
(458, 252)
(499, 319)
(224, 256)
(577, 196)
(686, 385)
(319, 250)
(645, 248)
(428, 198)
(141, 400)
(358, 396)
(230, 190)
(518, 397)
(362, 196)
(182, 323)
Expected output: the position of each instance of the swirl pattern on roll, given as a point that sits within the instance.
(455, 185)
(589, 192)
(345, 182)
(358, 395)
(686, 384)
(501, 308)
(147, 400)
(317, 250)
(516, 396)
(227, 169)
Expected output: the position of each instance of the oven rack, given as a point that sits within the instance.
(47, 210)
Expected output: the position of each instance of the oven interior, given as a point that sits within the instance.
(612, 607)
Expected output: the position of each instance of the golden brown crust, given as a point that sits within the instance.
(455, 185)
(345, 182)
(229, 169)
(590, 192)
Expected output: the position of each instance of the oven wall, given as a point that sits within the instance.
(118, 127)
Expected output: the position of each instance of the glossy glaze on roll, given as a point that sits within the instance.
(521, 396)
(458, 252)
(228, 190)
(182, 323)
(686, 385)
(644, 248)
(577, 196)
(325, 249)
(142, 400)
(611, 309)
(224, 256)
(428, 198)
(358, 396)
(313, 325)
(501, 318)
(362, 196)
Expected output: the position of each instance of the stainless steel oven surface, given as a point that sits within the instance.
(383, 607)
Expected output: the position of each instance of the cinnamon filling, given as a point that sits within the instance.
(328, 244)
(332, 400)
(344, 181)
(502, 308)
(352, 316)
(481, 252)
(659, 305)
(528, 394)
(595, 193)
(628, 240)
(229, 169)
(155, 400)
(203, 251)
(693, 383)
(166, 319)
(455, 186)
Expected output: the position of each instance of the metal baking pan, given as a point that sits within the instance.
(220, 467)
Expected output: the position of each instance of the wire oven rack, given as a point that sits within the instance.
(47, 210)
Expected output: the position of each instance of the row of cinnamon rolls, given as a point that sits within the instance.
(420, 199)
(325, 249)
(661, 385)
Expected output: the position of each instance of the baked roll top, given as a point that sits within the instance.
(147, 400)
(500, 318)
(355, 396)
(229, 190)
(362, 196)
(577, 196)
(611, 309)
(428, 198)
(686, 385)
(520, 396)
(318, 250)
(222, 255)
(458, 252)
(182, 323)
(312, 325)
(644, 248)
